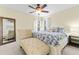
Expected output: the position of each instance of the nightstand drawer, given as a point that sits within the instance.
(74, 38)
(73, 41)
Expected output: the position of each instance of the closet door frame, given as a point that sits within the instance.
(1, 18)
(1, 31)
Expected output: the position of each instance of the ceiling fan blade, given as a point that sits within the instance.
(32, 12)
(45, 11)
(31, 7)
(44, 6)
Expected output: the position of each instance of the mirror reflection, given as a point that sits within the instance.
(8, 30)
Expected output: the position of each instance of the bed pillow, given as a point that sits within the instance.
(60, 29)
(57, 29)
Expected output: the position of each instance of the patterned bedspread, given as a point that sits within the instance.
(52, 38)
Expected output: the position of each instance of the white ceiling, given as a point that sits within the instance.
(52, 8)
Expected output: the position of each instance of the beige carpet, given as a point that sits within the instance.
(71, 50)
(11, 49)
(14, 49)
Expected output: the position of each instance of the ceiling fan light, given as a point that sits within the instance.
(38, 11)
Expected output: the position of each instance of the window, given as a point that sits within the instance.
(41, 24)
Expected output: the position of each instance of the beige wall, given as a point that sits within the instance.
(67, 18)
(23, 21)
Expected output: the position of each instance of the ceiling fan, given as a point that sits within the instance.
(39, 8)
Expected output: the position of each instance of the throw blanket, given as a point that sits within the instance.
(52, 38)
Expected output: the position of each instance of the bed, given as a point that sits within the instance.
(53, 42)
(56, 40)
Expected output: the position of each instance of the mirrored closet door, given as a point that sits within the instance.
(7, 30)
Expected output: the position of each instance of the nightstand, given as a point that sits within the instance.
(74, 39)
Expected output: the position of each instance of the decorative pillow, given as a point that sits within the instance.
(57, 29)
(54, 29)
(60, 29)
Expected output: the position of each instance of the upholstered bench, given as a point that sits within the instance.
(34, 46)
